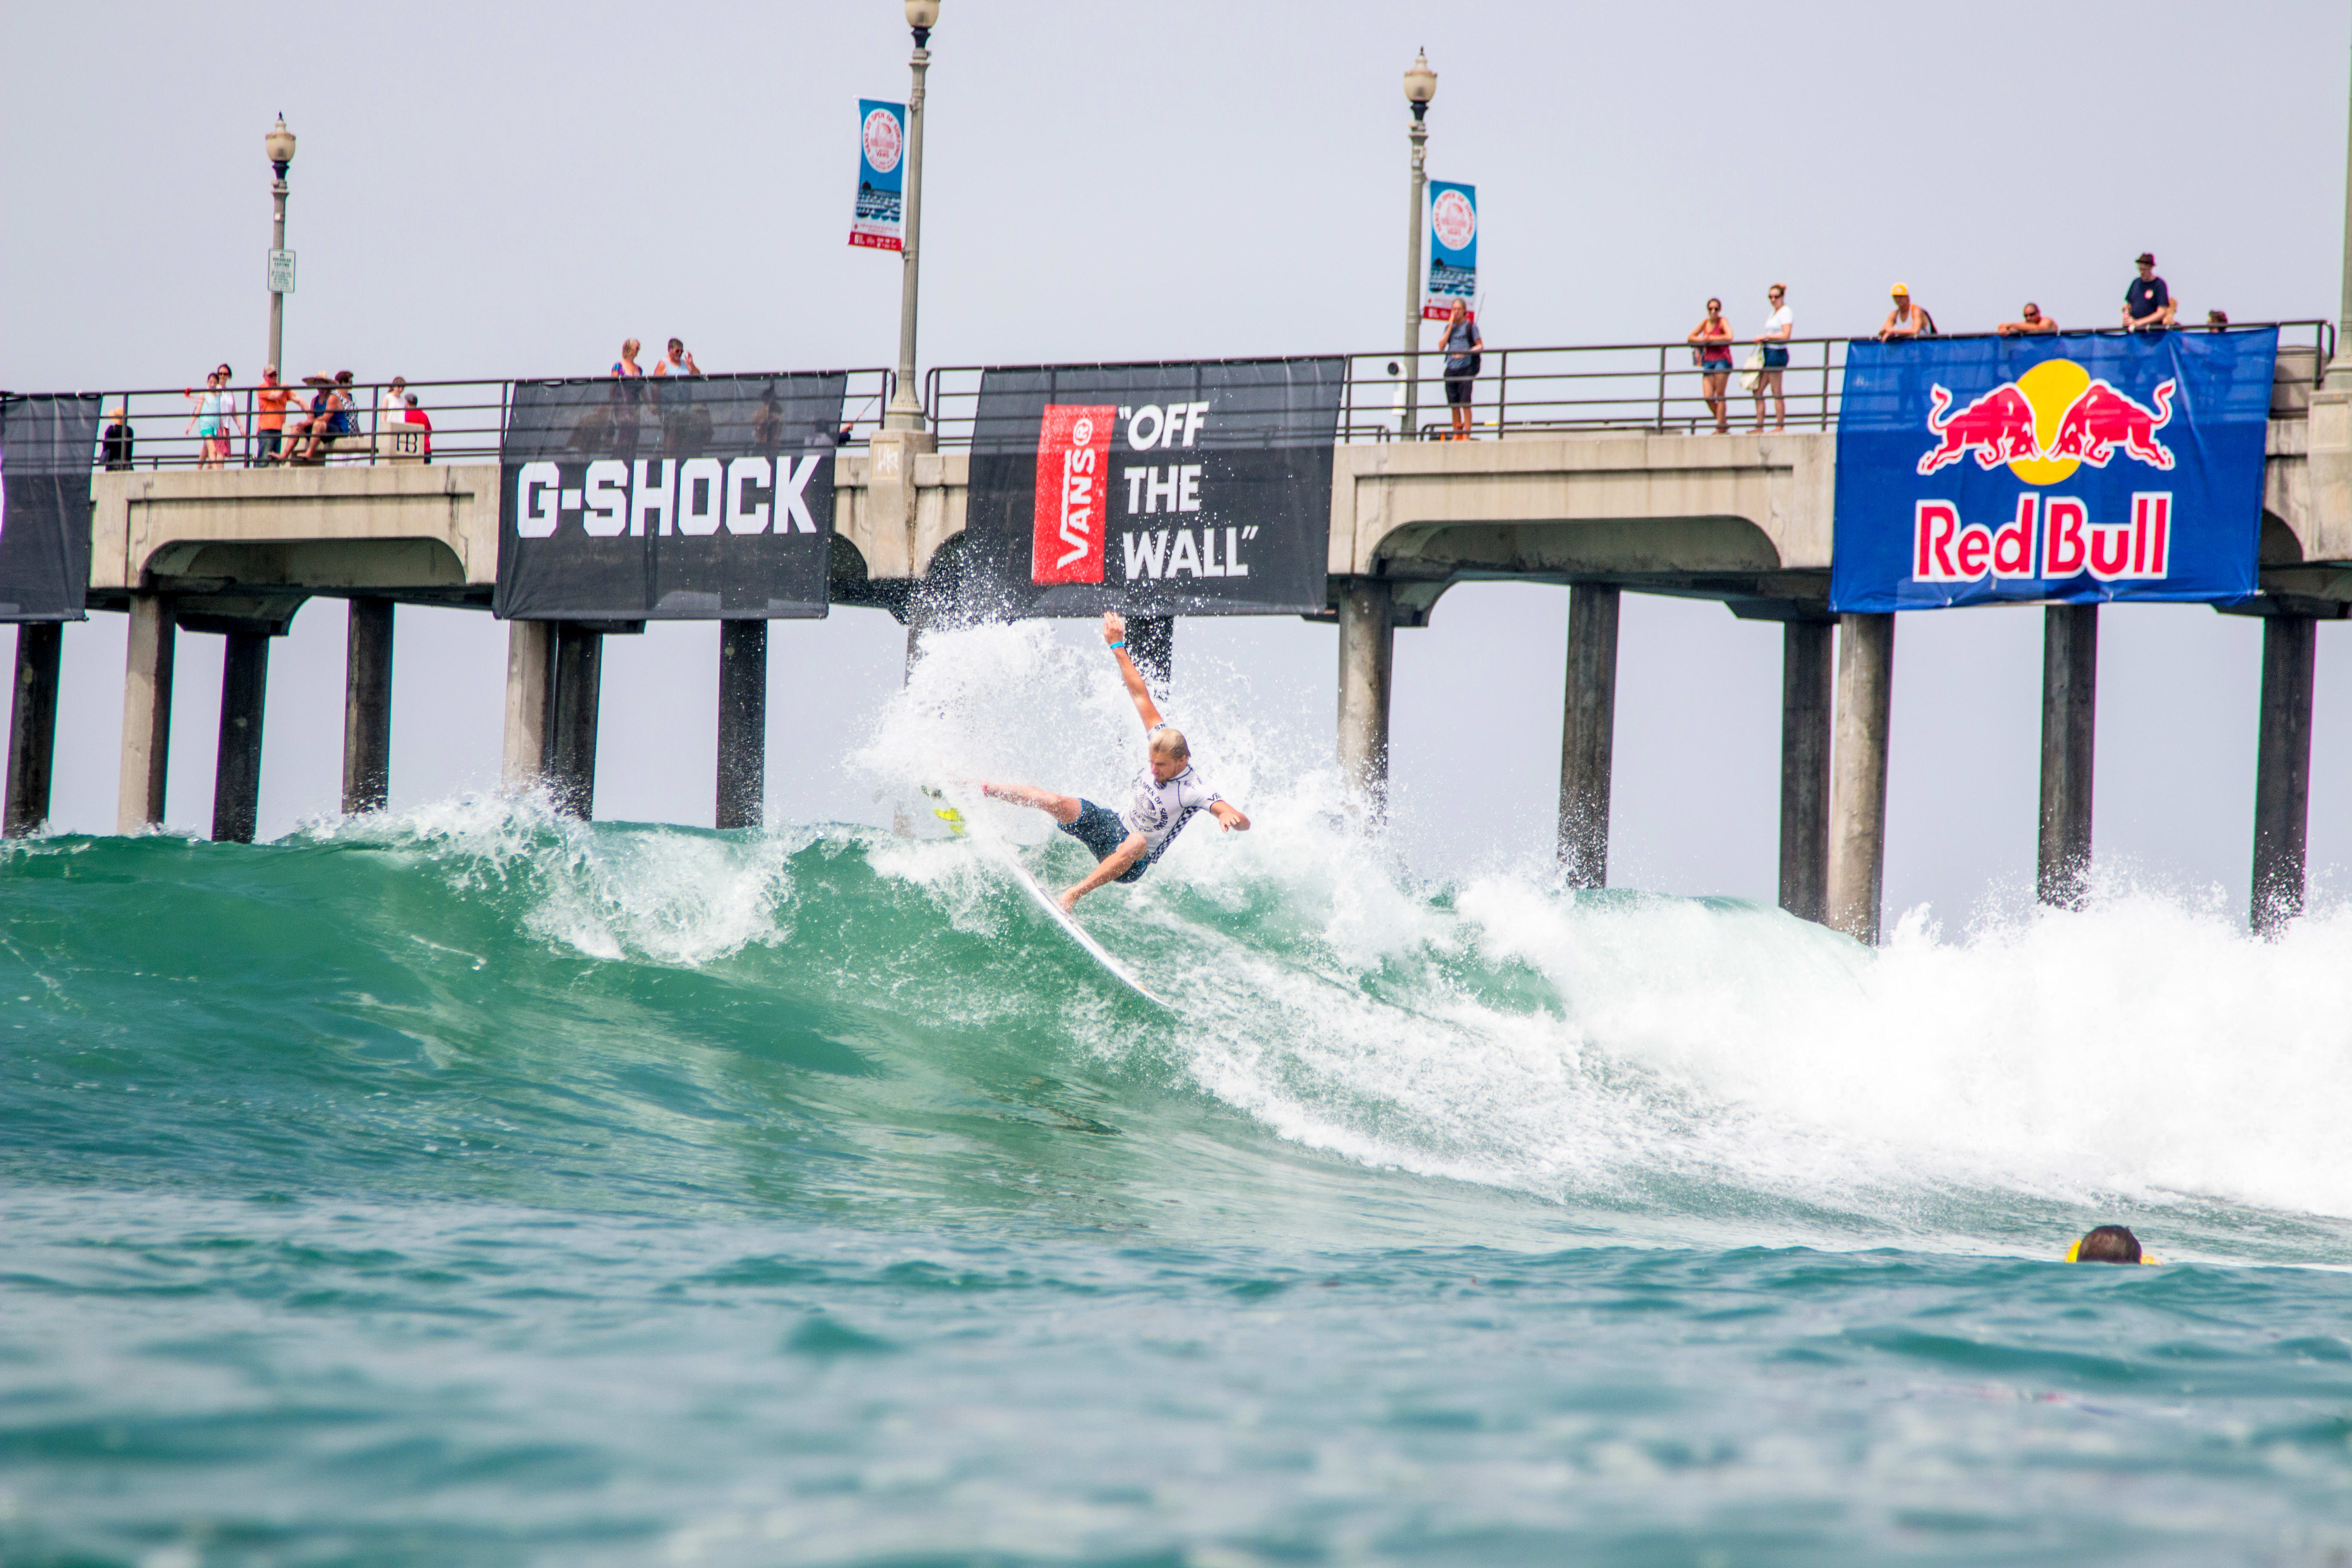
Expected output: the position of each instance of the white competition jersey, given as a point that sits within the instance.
(1158, 811)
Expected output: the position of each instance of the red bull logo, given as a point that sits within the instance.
(2046, 423)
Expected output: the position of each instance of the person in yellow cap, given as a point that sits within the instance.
(2108, 1244)
(1907, 320)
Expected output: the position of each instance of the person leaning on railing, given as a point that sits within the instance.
(269, 416)
(1710, 344)
(2030, 323)
(115, 442)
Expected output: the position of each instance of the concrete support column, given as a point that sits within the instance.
(1366, 649)
(1807, 717)
(742, 722)
(531, 690)
(146, 714)
(1587, 734)
(2282, 771)
(1152, 643)
(571, 730)
(236, 774)
(367, 706)
(33, 726)
(2070, 686)
(1865, 686)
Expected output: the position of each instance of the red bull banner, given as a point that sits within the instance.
(2073, 469)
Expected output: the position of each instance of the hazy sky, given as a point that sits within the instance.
(487, 191)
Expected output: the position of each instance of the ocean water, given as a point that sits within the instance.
(473, 1187)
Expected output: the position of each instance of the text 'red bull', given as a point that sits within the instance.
(2047, 540)
(1072, 494)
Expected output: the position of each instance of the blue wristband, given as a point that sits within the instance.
(1119, 645)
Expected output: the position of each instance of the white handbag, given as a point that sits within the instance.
(1752, 372)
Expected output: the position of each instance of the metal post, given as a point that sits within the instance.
(367, 706)
(1865, 686)
(1807, 717)
(236, 774)
(1367, 646)
(1152, 643)
(277, 299)
(906, 410)
(572, 741)
(33, 726)
(146, 714)
(1420, 135)
(1587, 734)
(2282, 771)
(742, 723)
(2070, 686)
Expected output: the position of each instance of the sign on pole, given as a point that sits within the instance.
(881, 175)
(1453, 248)
(2076, 468)
(282, 272)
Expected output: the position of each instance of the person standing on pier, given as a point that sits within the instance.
(1774, 340)
(678, 362)
(1710, 344)
(1166, 794)
(1461, 345)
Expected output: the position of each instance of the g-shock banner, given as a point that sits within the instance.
(669, 497)
(47, 443)
(1193, 488)
(2075, 468)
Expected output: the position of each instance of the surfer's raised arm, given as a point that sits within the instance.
(1115, 634)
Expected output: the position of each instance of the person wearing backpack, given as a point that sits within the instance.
(1461, 345)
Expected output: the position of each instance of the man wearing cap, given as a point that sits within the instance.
(1905, 320)
(2148, 303)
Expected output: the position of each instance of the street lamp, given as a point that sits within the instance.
(906, 410)
(1420, 87)
(280, 146)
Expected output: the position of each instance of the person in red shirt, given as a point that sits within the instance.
(269, 416)
(417, 416)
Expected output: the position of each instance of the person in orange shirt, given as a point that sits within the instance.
(269, 416)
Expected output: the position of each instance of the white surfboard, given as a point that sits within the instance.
(1051, 907)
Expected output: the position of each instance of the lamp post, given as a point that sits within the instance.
(280, 146)
(1420, 87)
(906, 410)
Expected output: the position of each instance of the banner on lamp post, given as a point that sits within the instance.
(881, 222)
(1453, 248)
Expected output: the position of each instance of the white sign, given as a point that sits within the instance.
(282, 272)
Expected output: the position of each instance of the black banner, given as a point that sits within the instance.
(46, 445)
(684, 497)
(1193, 488)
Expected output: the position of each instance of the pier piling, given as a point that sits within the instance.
(2069, 682)
(571, 731)
(1808, 711)
(2282, 771)
(531, 687)
(1588, 733)
(742, 723)
(33, 726)
(1865, 690)
(236, 770)
(367, 706)
(146, 714)
(1367, 651)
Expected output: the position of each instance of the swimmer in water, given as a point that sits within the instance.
(2108, 1244)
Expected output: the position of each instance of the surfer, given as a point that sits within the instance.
(1166, 793)
(2108, 1244)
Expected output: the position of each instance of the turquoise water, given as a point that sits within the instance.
(469, 1187)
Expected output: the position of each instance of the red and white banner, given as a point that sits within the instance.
(1072, 493)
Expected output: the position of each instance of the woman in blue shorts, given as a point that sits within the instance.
(1774, 340)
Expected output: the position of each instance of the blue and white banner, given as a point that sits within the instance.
(1453, 248)
(881, 175)
(2075, 469)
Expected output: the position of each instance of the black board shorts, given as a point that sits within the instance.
(1100, 829)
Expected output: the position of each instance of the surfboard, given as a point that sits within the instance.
(1051, 908)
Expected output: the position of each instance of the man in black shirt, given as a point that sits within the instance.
(2147, 301)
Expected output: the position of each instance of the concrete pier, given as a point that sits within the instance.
(1587, 734)
(2282, 771)
(146, 713)
(571, 719)
(1865, 690)
(237, 771)
(1807, 719)
(1367, 653)
(33, 726)
(530, 688)
(2070, 686)
(742, 723)
(367, 706)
